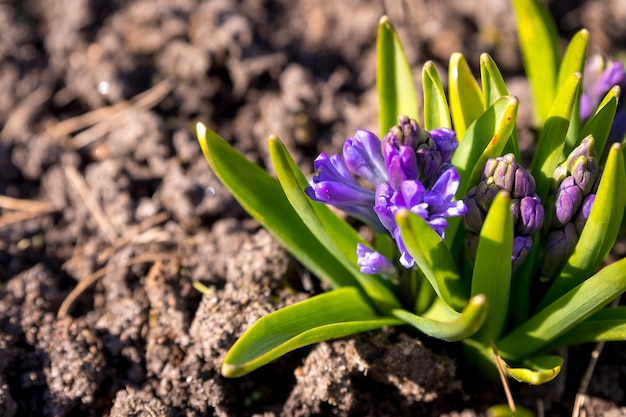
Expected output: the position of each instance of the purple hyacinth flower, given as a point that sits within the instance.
(433, 205)
(364, 158)
(372, 262)
(600, 76)
(446, 142)
(400, 162)
(336, 185)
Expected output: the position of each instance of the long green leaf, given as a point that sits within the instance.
(466, 99)
(607, 325)
(574, 56)
(601, 229)
(599, 124)
(436, 113)
(335, 234)
(549, 151)
(433, 258)
(493, 88)
(262, 197)
(483, 140)
(565, 313)
(461, 326)
(326, 316)
(573, 62)
(492, 268)
(539, 43)
(397, 94)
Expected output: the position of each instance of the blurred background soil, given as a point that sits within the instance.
(109, 213)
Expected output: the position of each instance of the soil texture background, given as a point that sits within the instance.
(109, 213)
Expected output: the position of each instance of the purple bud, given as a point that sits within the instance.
(475, 217)
(560, 244)
(583, 213)
(568, 200)
(406, 133)
(521, 249)
(507, 174)
(372, 262)
(528, 215)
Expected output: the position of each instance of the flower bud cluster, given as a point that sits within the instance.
(505, 174)
(575, 182)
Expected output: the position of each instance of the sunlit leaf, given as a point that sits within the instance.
(263, 198)
(484, 139)
(607, 325)
(466, 99)
(335, 234)
(599, 124)
(397, 94)
(549, 151)
(492, 268)
(539, 43)
(456, 326)
(573, 62)
(326, 316)
(566, 312)
(493, 88)
(537, 370)
(433, 258)
(503, 410)
(436, 113)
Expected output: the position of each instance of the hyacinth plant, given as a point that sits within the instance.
(469, 244)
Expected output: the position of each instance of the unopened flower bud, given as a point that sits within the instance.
(568, 200)
(583, 213)
(521, 249)
(528, 215)
(560, 243)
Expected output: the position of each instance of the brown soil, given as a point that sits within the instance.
(109, 213)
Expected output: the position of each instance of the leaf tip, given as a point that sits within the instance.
(384, 21)
(231, 371)
(200, 129)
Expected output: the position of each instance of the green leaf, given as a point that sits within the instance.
(436, 113)
(573, 62)
(607, 325)
(565, 313)
(601, 229)
(599, 124)
(574, 56)
(539, 44)
(433, 258)
(456, 326)
(466, 99)
(397, 94)
(503, 410)
(492, 81)
(549, 151)
(492, 268)
(537, 370)
(263, 198)
(484, 139)
(326, 316)
(494, 88)
(335, 234)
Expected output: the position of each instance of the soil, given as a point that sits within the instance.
(110, 214)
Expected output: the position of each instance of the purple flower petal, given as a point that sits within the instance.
(372, 262)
